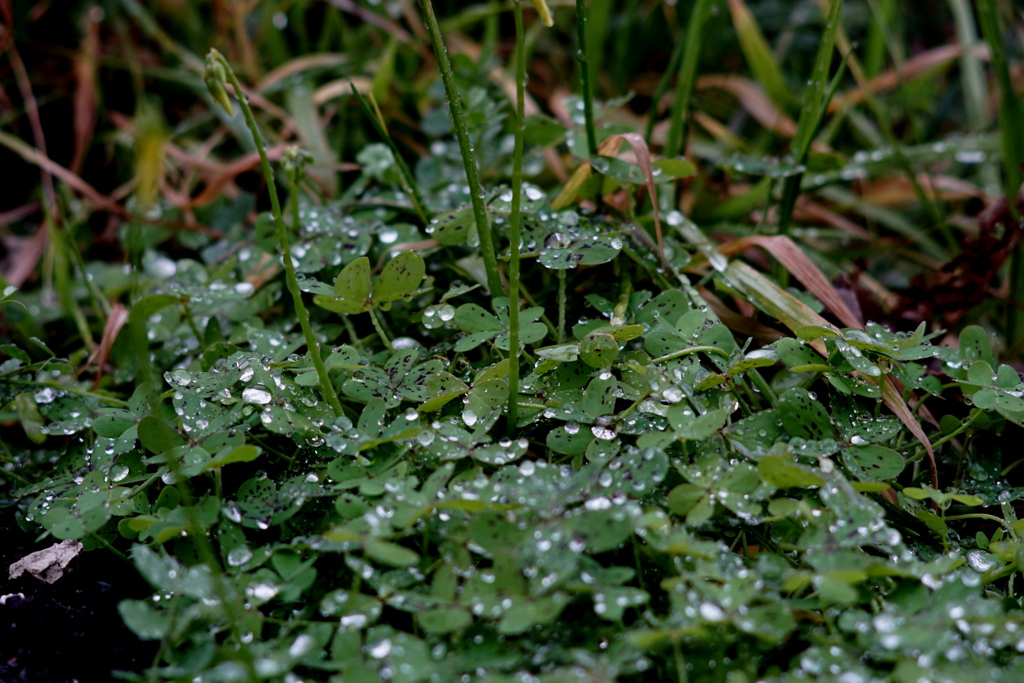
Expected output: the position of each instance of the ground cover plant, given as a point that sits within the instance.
(380, 350)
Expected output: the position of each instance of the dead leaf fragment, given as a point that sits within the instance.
(47, 565)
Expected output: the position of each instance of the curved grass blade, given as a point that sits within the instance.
(409, 185)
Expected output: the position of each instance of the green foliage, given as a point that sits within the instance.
(681, 493)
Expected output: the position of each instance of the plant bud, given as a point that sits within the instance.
(215, 77)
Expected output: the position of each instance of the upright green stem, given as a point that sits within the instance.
(291, 282)
(476, 193)
(561, 307)
(380, 331)
(581, 57)
(517, 191)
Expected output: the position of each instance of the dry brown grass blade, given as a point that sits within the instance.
(23, 255)
(232, 171)
(7, 35)
(18, 213)
(97, 199)
(258, 101)
(932, 59)
(373, 19)
(85, 98)
(899, 191)
(34, 156)
(737, 322)
(413, 19)
(643, 159)
(793, 313)
(802, 268)
(342, 88)
(893, 398)
(811, 212)
(608, 147)
(718, 130)
(757, 103)
(299, 65)
(115, 321)
(32, 112)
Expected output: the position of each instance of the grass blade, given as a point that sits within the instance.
(410, 186)
(759, 56)
(687, 76)
(1013, 148)
(476, 193)
(793, 313)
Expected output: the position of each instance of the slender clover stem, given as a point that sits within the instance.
(380, 331)
(218, 71)
(513, 222)
(560, 337)
(687, 352)
(476, 194)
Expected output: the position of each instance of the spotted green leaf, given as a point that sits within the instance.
(400, 276)
(598, 349)
(351, 289)
(803, 416)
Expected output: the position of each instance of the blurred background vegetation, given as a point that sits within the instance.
(104, 116)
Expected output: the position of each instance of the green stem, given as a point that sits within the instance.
(292, 283)
(1010, 113)
(1009, 106)
(517, 191)
(690, 351)
(920, 453)
(763, 387)
(14, 476)
(581, 57)
(476, 194)
(561, 307)
(673, 65)
(106, 544)
(380, 331)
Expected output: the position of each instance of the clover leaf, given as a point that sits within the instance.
(354, 294)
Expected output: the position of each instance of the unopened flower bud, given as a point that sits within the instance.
(215, 77)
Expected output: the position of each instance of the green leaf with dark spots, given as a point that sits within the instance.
(873, 462)
(803, 416)
(598, 349)
(402, 275)
(157, 436)
(784, 473)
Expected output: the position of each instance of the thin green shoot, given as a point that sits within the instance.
(514, 217)
(585, 85)
(813, 107)
(409, 184)
(676, 140)
(217, 71)
(476, 192)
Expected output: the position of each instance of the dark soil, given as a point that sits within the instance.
(69, 630)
